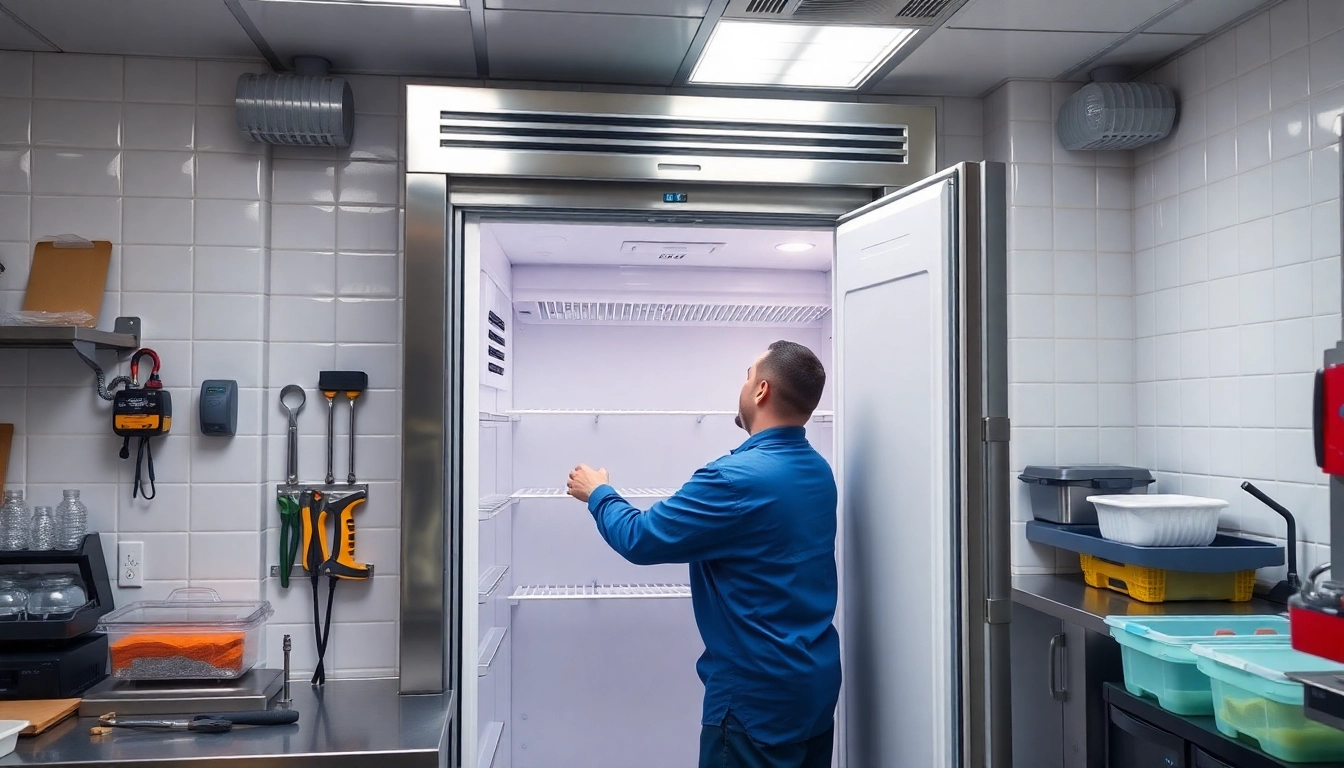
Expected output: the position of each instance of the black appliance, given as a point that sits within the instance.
(57, 656)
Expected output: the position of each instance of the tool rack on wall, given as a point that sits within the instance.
(334, 492)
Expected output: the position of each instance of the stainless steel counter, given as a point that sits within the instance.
(1069, 598)
(348, 724)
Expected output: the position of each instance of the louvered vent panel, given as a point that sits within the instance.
(670, 135)
(845, 10)
(766, 7)
(923, 9)
(662, 313)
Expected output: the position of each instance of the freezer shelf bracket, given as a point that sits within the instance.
(489, 745)
(489, 582)
(599, 592)
(489, 647)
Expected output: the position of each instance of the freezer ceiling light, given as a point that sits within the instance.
(437, 3)
(795, 55)
(798, 247)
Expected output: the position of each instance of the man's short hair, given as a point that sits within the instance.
(796, 376)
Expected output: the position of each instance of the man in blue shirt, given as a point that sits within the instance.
(758, 529)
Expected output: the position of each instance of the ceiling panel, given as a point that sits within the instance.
(15, 37)
(696, 8)
(384, 39)
(968, 62)
(1200, 17)
(1059, 15)
(187, 28)
(1143, 51)
(587, 47)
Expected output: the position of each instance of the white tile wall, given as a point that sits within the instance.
(145, 152)
(1071, 309)
(1258, 309)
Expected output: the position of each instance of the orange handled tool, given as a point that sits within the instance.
(342, 563)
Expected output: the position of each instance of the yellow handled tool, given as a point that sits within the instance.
(342, 563)
(316, 546)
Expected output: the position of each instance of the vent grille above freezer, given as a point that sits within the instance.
(668, 313)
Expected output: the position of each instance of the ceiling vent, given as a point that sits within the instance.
(602, 136)
(670, 252)
(904, 12)
(670, 313)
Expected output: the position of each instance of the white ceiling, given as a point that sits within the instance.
(601, 245)
(612, 42)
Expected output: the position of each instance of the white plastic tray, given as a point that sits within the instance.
(1159, 519)
(9, 735)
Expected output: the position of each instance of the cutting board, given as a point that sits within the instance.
(6, 438)
(68, 279)
(41, 714)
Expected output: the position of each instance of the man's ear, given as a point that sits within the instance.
(762, 392)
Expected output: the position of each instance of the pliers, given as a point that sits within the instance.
(290, 533)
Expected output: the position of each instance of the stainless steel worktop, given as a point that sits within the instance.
(1069, 598)
(349, 723)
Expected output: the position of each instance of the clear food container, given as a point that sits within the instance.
(193, 635)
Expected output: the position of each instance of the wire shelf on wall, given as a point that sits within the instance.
(598, 592)
(489, 647)
(819, 417)
(491, 506)
(490, 581)
(628, 493)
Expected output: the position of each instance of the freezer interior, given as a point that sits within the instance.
(625, 347)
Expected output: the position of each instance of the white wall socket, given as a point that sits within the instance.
(130, 563)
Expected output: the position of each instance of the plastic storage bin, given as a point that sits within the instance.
(1158, 662)
(1158, 520)
(192, 635)
(1253, 698)
(1159, 585)
(1059, 494)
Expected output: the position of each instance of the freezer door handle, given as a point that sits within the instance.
(1058, 661)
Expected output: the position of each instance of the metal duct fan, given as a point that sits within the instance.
(309, 108)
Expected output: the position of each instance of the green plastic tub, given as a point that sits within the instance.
(1155, 652)
(1253, 699)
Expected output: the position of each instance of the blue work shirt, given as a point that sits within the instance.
(758, 529)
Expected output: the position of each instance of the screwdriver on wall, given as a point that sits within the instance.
(352, 383)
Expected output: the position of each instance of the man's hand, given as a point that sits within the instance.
(584, 480)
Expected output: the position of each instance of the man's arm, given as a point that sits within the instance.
(701, 522)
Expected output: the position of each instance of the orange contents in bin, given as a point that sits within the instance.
(223, 650)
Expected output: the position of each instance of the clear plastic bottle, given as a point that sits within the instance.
(43, 531)
(72, 520)
(14, 522)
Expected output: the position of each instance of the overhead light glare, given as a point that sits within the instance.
(795, 247)
(795, 55)
(433, 3)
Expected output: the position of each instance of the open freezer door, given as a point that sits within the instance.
(921, 418)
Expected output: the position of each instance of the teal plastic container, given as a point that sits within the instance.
(1155, 652)
(1253, 698)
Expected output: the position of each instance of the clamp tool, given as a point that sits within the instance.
(320, 559)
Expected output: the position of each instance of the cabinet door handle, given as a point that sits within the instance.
(1058, 692)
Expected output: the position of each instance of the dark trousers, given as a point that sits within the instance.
(729, 746)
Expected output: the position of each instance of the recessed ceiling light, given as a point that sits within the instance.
(439, 3)
(795, 55)
(795, 247)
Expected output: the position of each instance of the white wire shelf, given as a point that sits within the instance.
(489, 745)
(489, 582)
(494, 419)
(491, 506)
(489, 647)
(598, 592)
(628, 493)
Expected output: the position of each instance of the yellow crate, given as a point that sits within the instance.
(1157, 585)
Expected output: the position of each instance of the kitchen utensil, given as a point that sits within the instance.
(222, 723)
(1291, 584)
(9, 735)
(1059, 493)
(41, 714)
(292, 399)
(1158, 520)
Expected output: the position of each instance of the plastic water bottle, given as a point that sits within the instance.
(43, 535)
(14, 522)
(72, 520)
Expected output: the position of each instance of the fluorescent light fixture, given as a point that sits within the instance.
(794, 247)
(795, 55)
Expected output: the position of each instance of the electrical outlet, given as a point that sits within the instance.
(130, 563)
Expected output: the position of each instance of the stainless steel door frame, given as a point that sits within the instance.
(438, 323)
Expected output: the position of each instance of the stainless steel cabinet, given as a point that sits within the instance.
(1058, 668)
